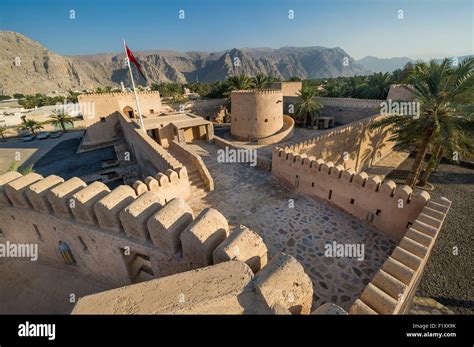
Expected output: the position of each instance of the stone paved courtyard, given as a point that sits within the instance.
(250, 196)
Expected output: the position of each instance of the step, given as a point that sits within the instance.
(378, 300)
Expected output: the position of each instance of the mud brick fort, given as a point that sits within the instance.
(194, 235)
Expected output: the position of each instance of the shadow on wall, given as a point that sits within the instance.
(354, 146)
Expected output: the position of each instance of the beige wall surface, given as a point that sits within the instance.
(150, 156)
(288, 88)
(256, 113)
(383, 204)
(354, 146)
(101, 112)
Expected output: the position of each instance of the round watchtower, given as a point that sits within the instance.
(256, 114)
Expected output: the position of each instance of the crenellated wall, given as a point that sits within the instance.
(384, 205)
(355, 145)
(230, 287)
(117, 237)
(393, 287)
(99, 224)
(344, 110)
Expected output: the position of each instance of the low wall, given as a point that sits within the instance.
(167, 186)
(355, 145)
(113, 235)
(384, 205)
(393, 287)
(150, 156)
(284, 134)
(227, 288)
(344, 110)
(99, 224)
(197, 163)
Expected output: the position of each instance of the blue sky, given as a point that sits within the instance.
(434, 28)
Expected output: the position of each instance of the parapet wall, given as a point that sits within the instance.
(197, 162)
(393, 287)
(344, 110)
(100, 111)
(150, 156)
(230, 287)
(384, 205)
(126, 236)
(119, 94)
(354, 146)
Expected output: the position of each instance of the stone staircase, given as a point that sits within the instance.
(198, 188)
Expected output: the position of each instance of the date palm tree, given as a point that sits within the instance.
(60, 119)
(379, 84)
(445, 122)
(261, 81)
(307, 106)
(239, 82)
(3, 131)
(31, 126)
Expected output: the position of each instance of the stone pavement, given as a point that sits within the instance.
(249, 196)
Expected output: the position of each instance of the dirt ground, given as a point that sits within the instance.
(449, 274)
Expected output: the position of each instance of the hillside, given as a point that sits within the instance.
(43, 71)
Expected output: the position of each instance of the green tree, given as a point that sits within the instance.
(3, 131)
(445, 122)
(72, 95)
(61, 119)
(239, 82)
(307, 106)
(261, 81)
(379, 84)
(31, 126)
(15, 166)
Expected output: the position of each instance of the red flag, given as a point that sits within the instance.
(132, 58)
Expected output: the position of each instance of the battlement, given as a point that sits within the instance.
(165, 237)
(93, 204)
(230, 287)
(257, 91)
(354, 145)
(385, 205)
(115, 94)
(350, 102)
(345, 129)
(394, 285)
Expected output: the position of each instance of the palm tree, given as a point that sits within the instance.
(3, 131)
(30, 125)
(445, 120)
(239, 82)
(60, 119)
(72, 95)
(15, 166)
(456, 137)
(379, 84)
(307, 105)
(261, 81)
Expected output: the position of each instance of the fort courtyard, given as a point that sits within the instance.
(262, 215)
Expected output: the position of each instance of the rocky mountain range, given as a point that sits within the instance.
(28, 67)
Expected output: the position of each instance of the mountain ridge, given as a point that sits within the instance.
(42, 70)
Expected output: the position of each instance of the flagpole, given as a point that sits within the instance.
(134, 90)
